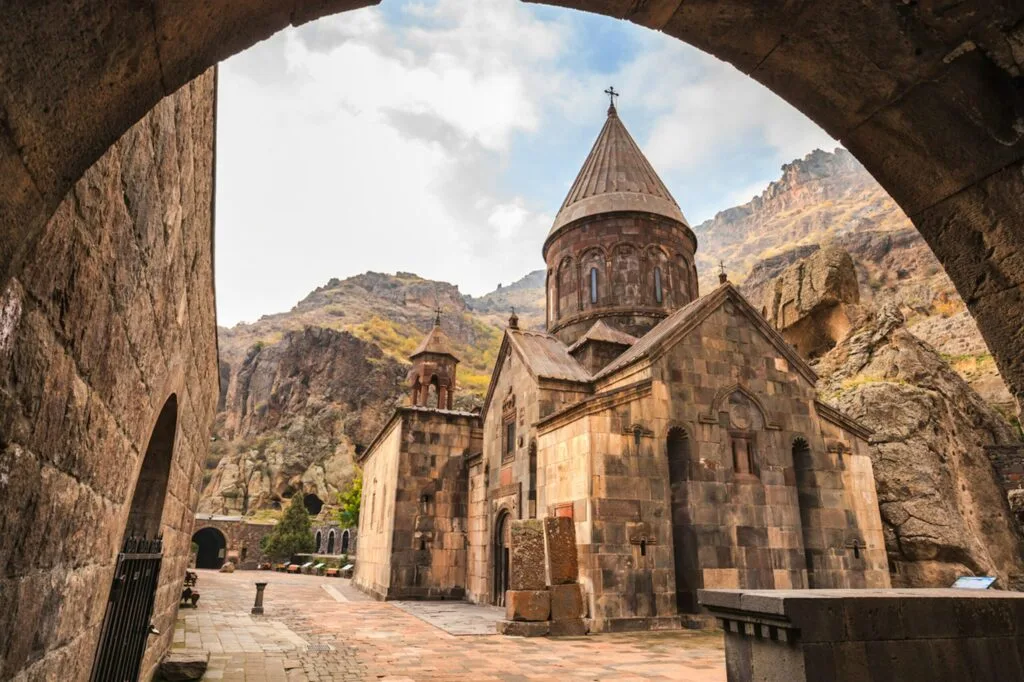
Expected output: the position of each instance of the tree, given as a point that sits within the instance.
(350, 499)
(292, 535)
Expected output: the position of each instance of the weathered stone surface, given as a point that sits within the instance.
(184, 664)
(569, 627)
(109, 322)
(533, 605)
(945, 513)
(560, 546)
(566, 601)
(526, 555)
(520, 628)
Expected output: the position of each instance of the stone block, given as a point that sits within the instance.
(527, 605)
(569, 627)
(526, 555)
(185, 664)
(566, 601)
(519, 628)
(560, 549)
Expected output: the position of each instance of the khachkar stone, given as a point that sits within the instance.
(560, 545)
(526, 555)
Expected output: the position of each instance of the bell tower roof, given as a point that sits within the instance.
(616, 177)
(436, 342)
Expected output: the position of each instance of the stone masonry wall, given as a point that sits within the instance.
(113, 315)
(376, 512)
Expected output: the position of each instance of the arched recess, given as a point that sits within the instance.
(500, 557)
(330, 541)
(684, 536)
(433, 393)
(566, 300)
(213, 547)
(151, 489)
(806, 486)
(317, 541)
(659, 289)
(592, 265)
(625, 276)
(532, 488)
(345, 537)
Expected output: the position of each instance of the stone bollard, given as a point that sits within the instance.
(257, 608)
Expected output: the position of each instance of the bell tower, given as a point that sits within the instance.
(432, 377)
(620, 249)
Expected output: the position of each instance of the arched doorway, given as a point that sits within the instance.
(344, 542)
(317, 541)
(330, 542)
(213, 547)
(502, 531)
(312, 503)
(684, 537)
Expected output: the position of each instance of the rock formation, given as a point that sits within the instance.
(293, 413)
(944, 512)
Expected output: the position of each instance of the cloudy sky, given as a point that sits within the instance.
(440, 137)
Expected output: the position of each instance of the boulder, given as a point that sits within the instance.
(183, 664)
(228, 567)
(944, 512)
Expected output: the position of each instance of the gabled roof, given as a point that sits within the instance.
(436, 342)
(669, 330)
(616, 177)
(544, 356)
(600, 331)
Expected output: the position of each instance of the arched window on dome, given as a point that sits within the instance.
(593, 285)
(658, 295)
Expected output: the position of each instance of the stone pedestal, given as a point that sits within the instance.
(570, 627)
(531, 605)
(566, 601)
(519, 628)
(870, 635)
(526, 555)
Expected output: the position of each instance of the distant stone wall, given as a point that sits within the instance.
(110, 322)
(243, 539)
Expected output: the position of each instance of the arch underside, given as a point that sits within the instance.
(927, 99)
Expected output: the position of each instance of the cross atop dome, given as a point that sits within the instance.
(611, 99)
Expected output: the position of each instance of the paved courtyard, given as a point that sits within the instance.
(322, 629)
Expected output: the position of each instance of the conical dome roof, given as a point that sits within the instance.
(616, 177)
(436, 342)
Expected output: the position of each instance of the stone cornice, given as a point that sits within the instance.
(597, 403)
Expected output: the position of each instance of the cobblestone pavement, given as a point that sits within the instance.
(322, 629)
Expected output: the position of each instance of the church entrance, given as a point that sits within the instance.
(212, 548)
(502, 531)
(684, 539)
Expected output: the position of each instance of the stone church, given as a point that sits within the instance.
(681, 434)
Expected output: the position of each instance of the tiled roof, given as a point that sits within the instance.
(616, 177)
(600, 331)
(546, 356)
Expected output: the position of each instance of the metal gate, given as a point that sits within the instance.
(126, 624)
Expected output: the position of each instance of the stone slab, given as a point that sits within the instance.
(184, 664)
(527, 605)
(570, 627)
(526, 555)
(566, 601)
(560, 550)
(518, 628)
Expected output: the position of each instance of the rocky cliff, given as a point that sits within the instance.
(943, 509)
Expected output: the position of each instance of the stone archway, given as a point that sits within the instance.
(927, 98)
(213, 547)
(500, 557)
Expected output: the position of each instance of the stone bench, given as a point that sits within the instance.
(870, 635)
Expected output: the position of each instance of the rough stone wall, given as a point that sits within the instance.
(376, 512)
(625, 248)
(112, 314)
(425, 555)
(478, 572)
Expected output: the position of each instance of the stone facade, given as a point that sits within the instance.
(240, 538)
(682, 443)
(108, 366)
(332, 539)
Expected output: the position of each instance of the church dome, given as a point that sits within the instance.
(620, 249)
(616, 177)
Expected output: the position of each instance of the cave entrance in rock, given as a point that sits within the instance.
(213, 547)
(312, 503)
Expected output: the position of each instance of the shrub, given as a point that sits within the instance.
(293, 535)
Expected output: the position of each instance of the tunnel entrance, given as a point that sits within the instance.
(313, 504)
(213, 547)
